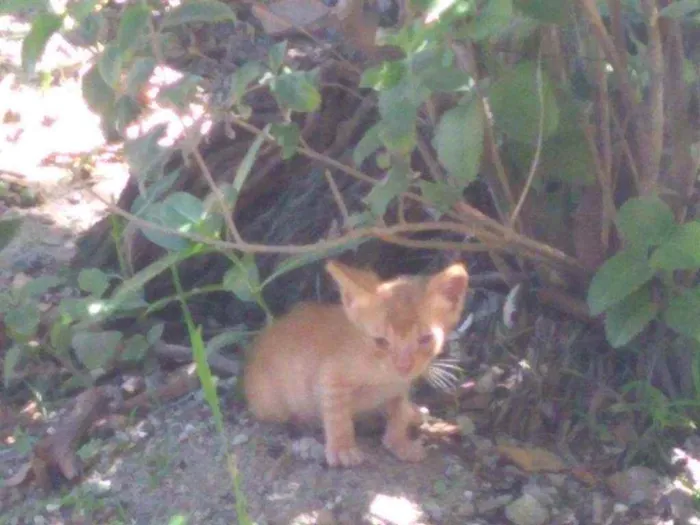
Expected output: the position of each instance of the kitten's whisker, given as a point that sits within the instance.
(448, 366)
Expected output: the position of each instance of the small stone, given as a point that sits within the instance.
(526, 510)
(239, 440)
(433, 509)
(635, 485)
(466, 425)
(557, 480)
(620, 508)
(465, 510)
(325, 517)
(494, 503)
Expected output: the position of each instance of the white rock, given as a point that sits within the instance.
(526, 510)
(466, 425)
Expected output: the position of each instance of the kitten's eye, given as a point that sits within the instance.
(425, 339)
(381, 342)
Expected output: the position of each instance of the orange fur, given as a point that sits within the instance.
(333, 362)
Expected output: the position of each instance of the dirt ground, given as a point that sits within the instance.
(170, 467)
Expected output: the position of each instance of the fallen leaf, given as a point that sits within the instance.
(532, 459)
(585, 476)
(286, 16)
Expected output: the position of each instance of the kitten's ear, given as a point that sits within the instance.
(354, 283)
(451, 285)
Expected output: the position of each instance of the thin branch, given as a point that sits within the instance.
(338, 197)
(538, 150)
(226, 210)
(654, 146)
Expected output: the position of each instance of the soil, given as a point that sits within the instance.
(171, 465)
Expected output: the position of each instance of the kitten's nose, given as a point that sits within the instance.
(403, 361)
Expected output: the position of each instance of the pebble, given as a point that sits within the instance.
(491, 504)
(465, 510)
(239, 439)
(466, 425)
(526, 510)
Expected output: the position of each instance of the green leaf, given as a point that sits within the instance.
(110, 64)
(645, 221)
(12, 7)
(384, 76)
(93, 281)
(287, 136)
(133, 25)
(225, 339)
(139, 73)
(397, 129)
(276, 56)
(297, 261)
(199, 11)
(39, 286)
(395, 183)
(11, 360)
(442, 196)
(91, 29)
(622, 274)
(135, 348)
(9, 227)
(626, 319)
(180, 93)
(494, 17)
(22, 322)
(146, 157)
(367, 145)
(459, 140)
(681, 9)
(6, 302)
(683, 312)
(243, 77)
(81, 9)
(546, 11)
(681, 250)
(60, 336)
(185, 207)
(433, 68)
(515, 102)
(296, 92)
(246, 165)
(98, 95)
(159, 215)
(126, 111)
(95, 349)
(155, 333)
(33, 45)
(243, 279)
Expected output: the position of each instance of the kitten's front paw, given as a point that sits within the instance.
(344, 457)
(407, 449)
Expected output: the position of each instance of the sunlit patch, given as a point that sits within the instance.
(523, 363)
(394, 510)
(96, 308)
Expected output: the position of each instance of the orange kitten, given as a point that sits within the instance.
(332, 362)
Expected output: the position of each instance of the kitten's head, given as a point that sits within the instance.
(407, 318)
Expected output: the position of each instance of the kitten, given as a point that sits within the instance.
(333, 362)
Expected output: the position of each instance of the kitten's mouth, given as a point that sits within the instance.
(404, 365)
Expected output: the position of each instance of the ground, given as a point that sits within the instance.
(172, 462)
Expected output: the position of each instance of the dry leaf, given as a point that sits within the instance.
(585, 476)
(287, 15)
(532, 459)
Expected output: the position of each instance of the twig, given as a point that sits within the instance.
(338, 197)
(538, 149)
(653, 148)
(225, 208)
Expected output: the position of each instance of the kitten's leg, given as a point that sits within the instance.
(401, 414)
(338, 426)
